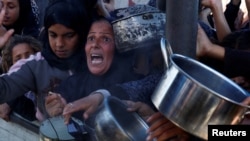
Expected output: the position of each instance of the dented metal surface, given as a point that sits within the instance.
(145, 28)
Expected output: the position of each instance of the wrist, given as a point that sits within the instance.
(103, 92)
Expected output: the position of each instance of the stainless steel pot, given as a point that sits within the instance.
(138, 26)
(115, 123)
(193, 95)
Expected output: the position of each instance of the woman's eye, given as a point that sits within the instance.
(52, 35)
(90, 38)
(70, 35)
(106, 39)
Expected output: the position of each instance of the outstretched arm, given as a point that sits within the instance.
(205, 48)
(87, 104)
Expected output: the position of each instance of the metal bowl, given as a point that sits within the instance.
(114, 122)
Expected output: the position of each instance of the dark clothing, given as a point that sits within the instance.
(35, 75)
(210, 32)
(24, 107)
(82, 84)
(141, 90)
(236, 63)
(231, 13)
(28, 21)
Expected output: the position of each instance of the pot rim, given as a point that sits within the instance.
(212, 71)
(108, 107)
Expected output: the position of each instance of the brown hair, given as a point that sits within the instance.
(15, 40)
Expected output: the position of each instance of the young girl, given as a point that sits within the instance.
(13, 57)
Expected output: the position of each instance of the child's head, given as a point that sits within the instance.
(68, 15)
(66, 25)
(18, 47)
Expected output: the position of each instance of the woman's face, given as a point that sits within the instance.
(21, 51)
(62, 40)
(100, 47)
(12, 11)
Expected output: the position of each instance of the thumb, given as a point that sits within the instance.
(6, 37)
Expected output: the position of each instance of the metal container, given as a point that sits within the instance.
(193, 95)
(138, 26)
(54, 129)
(115, 123)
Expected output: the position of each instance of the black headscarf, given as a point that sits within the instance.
(72, 14)
(27, 22)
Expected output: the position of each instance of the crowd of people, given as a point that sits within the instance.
(67, 62)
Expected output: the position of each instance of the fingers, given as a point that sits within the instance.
(132, 106)
(67, 112)
(246, 101)
(163, 129)
(87, 104)
(175, 134)
(89, 112)
(2, 13)
(4, 111)
(154, 117)
(54, 104)
(156, 120)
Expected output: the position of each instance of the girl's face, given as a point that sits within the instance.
(100, 47)
(21, 51)
(62, 40)
(12, 10)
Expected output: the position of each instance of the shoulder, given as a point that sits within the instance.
(18, 64)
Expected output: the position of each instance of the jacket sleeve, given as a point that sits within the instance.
(17, 83)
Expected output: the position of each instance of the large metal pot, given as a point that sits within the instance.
(115, 123)
(193, 95)
(138, 26)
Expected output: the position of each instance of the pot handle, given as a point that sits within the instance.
(166, 51)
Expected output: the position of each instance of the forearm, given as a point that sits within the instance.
(248, 6)
(215, 51)
(221, 25)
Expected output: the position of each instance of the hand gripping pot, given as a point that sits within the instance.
(138, 26)
(193, 95)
